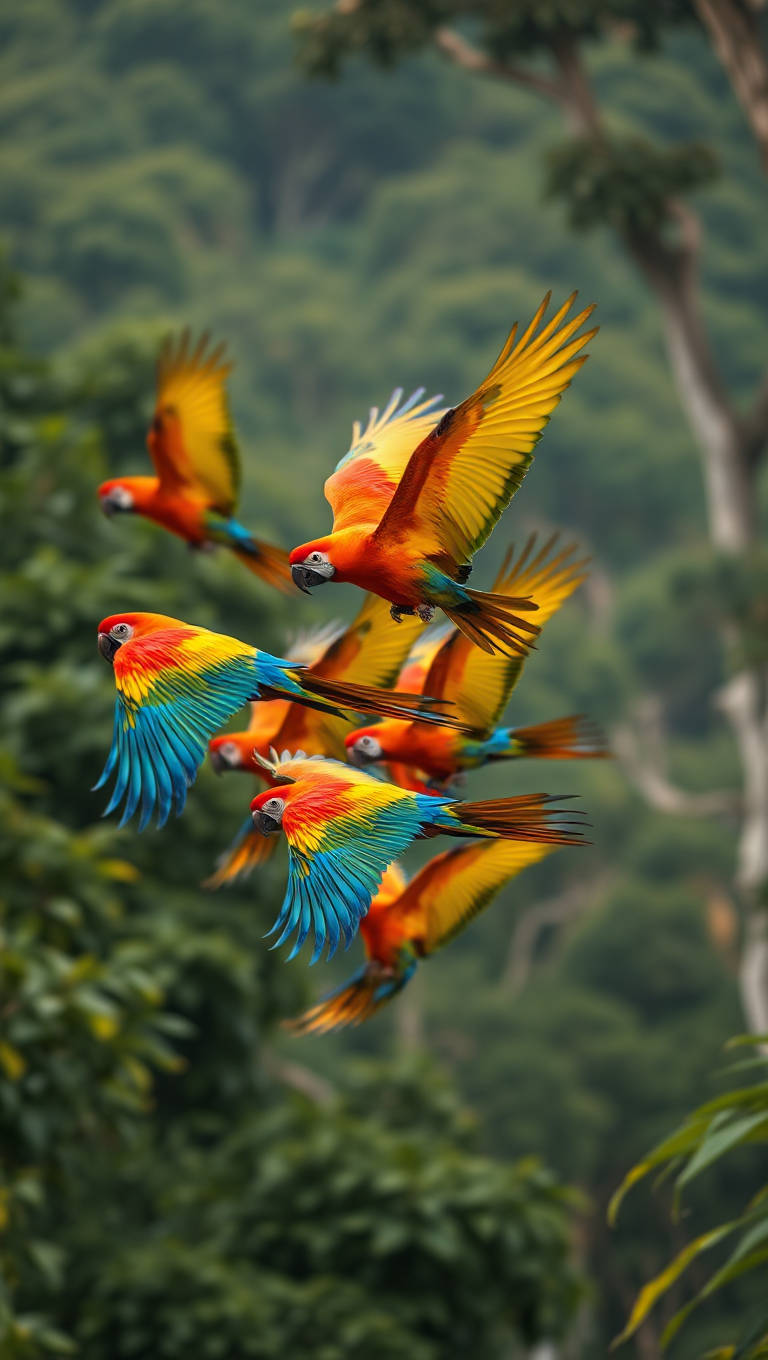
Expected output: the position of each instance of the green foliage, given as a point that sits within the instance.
(624, 183)
(737, 1119)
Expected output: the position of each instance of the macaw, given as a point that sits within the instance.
(177, 683)
(420, 490)
(445, 664)
(366, 652)
(344, 828)
(409, 921)
(193, 446)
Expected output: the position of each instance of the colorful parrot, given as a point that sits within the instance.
(410, 921)
(193, 446)
(366, 652)
(344, 828)
(446, 665)
(176, 684)
(420, 490)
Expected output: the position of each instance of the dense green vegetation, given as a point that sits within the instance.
(163, 162)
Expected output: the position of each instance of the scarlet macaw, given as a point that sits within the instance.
(420, 490)
(177, 683)
(446, 665)
(410, 921)
(366, 652)
(344, 828)
(193, 446)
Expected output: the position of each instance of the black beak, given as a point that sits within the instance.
(108, 647)
(304, 577)
(268, 826)
(218, 763)
(107, 508)
(356, 758)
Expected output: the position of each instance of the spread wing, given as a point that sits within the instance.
(365, 480)
(175, 688)
(479, 683)
(369, 652)
(461, 478)
(457, 885)
(199, 450)
(343, 830)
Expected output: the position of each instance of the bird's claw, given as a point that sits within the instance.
(425, 612)
(397, 611)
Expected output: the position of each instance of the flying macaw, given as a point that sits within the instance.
(344, 828)
(193, 446)
(176, 684)
(410, 921)
(366, 652)
(420, 490)
(446, 665)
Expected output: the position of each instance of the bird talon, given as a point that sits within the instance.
(425, 612)
(397, 612)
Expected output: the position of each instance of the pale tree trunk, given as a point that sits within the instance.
(730, 445)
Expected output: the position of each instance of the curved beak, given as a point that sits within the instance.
(108, 508)
(268, 826)
(219, 763)
(357, 758)
(305, 577)
(108, 647)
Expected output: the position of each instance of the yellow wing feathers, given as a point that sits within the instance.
(464, 882)
(191, 385)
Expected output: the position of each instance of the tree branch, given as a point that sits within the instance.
(553, 911)
(643, 758)
(735, 36)
(469, 58)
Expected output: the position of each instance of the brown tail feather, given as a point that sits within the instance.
(573, 738)
(270, 563)
(526, 818)
(385, 703)
(491, 623)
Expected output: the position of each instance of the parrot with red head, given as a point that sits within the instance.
(420, 490)
(368, 652)
(344, 828)
(446, 665)
(193, 447)
(408, 922)
(177, 683)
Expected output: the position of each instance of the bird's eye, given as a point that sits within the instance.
(314, 557)
(229, 750)
(273, 807)
(122, 630)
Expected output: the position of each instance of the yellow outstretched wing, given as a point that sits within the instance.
(365, 480)
(457, 885)
(480, 683)
(370, 651)
(192, 440)
(461, 478)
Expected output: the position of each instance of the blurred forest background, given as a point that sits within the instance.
(180, 1179)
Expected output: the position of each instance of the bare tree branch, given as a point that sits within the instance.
(641, 749)
(735, 36)
(299, 1078)
(553, 911)
(469, 58)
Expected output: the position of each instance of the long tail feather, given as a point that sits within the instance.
(238, 861)
(491, 623)
(351, 1004)
(573, 738)
(529, 817)
(382, 703)
(270, 563)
